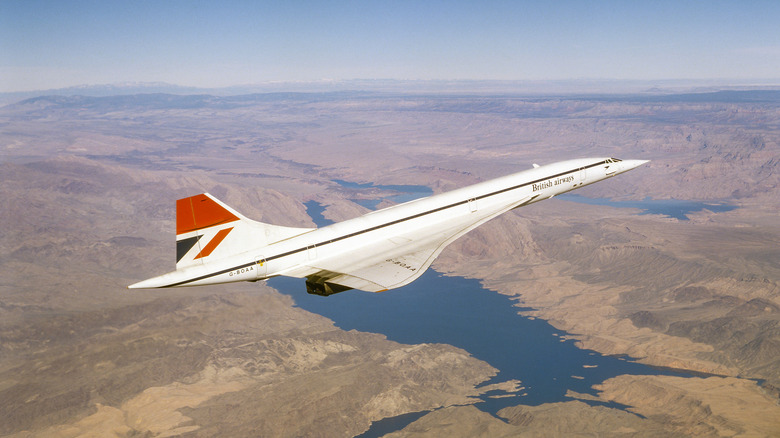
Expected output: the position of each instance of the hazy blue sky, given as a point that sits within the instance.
(51, 44)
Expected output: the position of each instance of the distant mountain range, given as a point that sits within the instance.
(195, 98)
(534, 88)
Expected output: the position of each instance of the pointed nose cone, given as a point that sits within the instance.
(627, 165)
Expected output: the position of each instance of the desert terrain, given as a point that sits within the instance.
(88, 186)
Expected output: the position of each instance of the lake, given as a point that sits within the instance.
(675, 208)
(460, 312)
(403, 193)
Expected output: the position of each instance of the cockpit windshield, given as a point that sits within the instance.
(614, 160)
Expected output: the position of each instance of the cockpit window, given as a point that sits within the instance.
(614, 160)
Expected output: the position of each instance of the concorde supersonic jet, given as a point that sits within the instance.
(381, 250)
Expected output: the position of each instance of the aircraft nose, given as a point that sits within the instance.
(627, 165)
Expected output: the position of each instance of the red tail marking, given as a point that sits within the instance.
(200, 211)
(211, 246)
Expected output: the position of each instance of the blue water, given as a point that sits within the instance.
(460, 312)
(675, 208)
(403, 193)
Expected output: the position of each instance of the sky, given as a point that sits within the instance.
(55, 44)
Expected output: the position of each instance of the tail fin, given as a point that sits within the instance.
(207, 229)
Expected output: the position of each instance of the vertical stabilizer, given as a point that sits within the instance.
(207, 229)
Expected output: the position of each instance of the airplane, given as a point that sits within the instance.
(381, 250)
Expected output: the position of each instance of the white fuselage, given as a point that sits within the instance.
(423, 226)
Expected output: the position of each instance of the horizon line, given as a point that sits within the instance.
(708, 82)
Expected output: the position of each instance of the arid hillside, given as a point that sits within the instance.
(88, 186)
